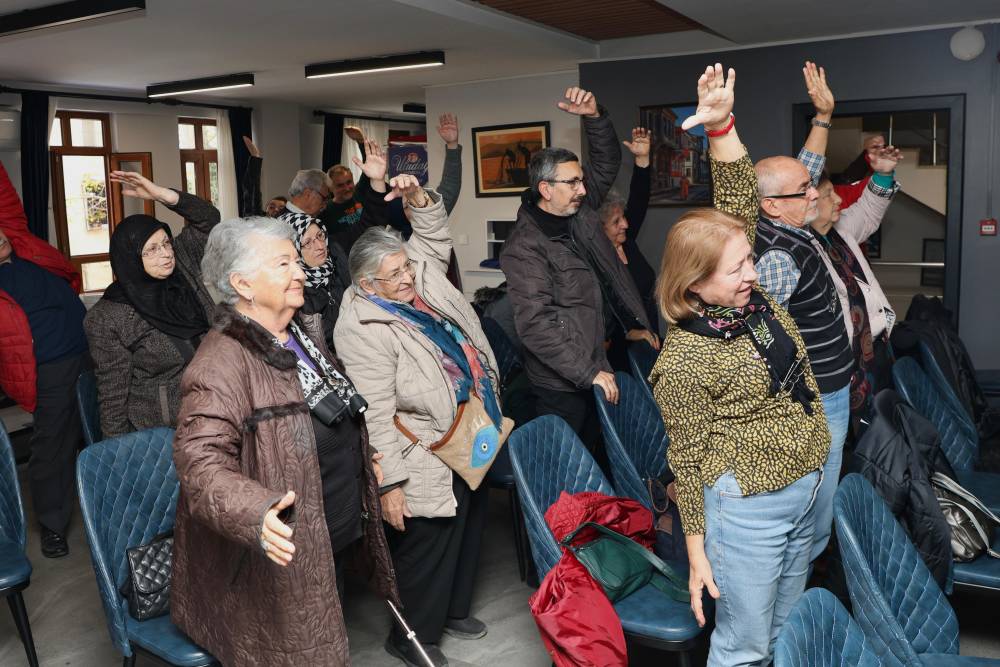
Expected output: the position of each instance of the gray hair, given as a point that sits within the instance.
(613, 201)
(544, 163)
(309, 179)
(230, 250)
(367, 253)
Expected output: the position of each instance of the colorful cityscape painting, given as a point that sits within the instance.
(679, 159)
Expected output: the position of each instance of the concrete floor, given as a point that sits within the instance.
(69, 628)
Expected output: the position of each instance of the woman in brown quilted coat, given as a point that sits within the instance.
(278, 489)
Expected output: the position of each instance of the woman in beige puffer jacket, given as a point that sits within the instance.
(436, 519)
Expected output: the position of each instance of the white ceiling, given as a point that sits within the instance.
(184, 39)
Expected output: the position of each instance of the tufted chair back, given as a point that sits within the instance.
(548, 459)
(821, 633)
(504, 351)
(128, 495)
(933, 370)
(959, 440)
(11, 509)
(90, 410)
(896, 600)
(635, 438)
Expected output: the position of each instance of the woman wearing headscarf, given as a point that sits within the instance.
(415, 348)
(147, 325)
(278, 485)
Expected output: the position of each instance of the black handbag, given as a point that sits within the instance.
(147, 587)
(972, 523)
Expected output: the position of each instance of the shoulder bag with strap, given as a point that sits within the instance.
(471, 444)
(972, 523)
(622, 566)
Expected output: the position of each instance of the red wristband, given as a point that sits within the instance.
(724, 131)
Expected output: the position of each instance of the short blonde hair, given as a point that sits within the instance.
(692, 251)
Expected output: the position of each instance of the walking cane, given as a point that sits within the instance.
(410, 634)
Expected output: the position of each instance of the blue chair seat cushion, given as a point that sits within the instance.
(983, 485)
(650, 614)
(161, 637)
(946, 660)
(14, 566)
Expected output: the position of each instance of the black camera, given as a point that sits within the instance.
(331, 409)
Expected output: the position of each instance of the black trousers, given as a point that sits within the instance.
(436, 561)
(54, 442)
(579, 410)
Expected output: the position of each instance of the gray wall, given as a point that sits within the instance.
(769, 82)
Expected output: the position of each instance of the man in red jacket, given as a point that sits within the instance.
(43, 349)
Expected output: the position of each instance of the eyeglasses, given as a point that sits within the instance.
(409, 269)
(166, 248)
(320, 238)
(574, 183)
(328, 197)
(794, 195)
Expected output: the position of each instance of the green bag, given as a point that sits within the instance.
(622, 566)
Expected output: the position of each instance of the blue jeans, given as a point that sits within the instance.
(837, 406)
(758, 547)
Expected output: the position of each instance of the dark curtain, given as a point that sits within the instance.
(240, 119)
(35, 161)
(333, 139)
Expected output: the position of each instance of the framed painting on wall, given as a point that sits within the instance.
(501, 154)
(680, 171)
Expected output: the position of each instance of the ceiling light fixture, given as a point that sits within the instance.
(65, 13)
(200, 85)
(376, 64)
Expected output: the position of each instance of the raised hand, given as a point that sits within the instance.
(715, 99)
(374, 166)
(276, 535)
(884, 160)
(819, 91)
(408, 187)
(640, 142)
(580, 102)
(448, 129)
(135, 184)
(252, 147)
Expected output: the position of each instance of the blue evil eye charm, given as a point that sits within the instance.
(484, 446)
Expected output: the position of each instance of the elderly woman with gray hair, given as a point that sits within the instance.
(278, 484)
(414, 347)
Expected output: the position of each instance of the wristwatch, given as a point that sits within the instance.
(822, 123)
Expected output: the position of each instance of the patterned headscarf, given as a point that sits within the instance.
(316, 276)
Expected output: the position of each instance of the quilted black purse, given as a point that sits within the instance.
(147, 588)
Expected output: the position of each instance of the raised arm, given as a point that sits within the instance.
(431, 238)
(813, 153)
(374, 208)
(451, 174)
(200, 215)
(734, 182)
(862, 218)
(604, 155)
(640, 185)
(250, 197)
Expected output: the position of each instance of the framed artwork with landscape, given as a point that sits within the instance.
(501, 154)
(681, 175)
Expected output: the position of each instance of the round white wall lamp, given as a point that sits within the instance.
(968, 43)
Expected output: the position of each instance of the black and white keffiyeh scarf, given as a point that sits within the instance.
(314, 386)
(316, 276)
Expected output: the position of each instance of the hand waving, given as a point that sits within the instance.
(884, 160)
(448, 129)
(374, 166)
(135, 184)
(408, 187)
(579, 102)
(354, 133)
(715, 99)
(819, 91)
(640, 142)
(252, 147)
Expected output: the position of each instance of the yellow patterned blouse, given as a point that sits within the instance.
(715, 399)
